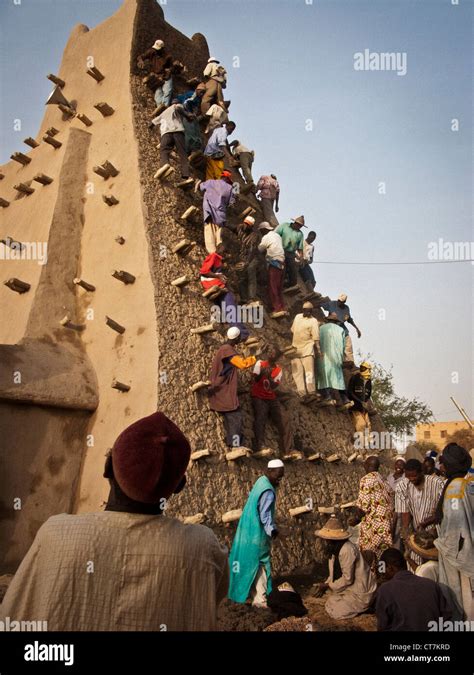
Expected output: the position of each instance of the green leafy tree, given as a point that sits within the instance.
(400, 414)
(463, 437)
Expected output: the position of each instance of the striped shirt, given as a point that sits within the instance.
(419, 502)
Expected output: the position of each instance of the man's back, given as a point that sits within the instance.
(120, 571)
(408, 603)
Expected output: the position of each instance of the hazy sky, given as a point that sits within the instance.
(333, 135)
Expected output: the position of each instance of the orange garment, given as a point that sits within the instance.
(214, 168)
(242, 362)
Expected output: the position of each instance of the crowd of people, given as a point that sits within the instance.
(406, 549)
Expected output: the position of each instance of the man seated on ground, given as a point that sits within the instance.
(422, 543)
(359, 390)
(351, 585)
(150, 570)
(216, 149)
(267, 375)
(223, 396)
(406, 602)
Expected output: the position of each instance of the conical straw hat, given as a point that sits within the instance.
(333, 530)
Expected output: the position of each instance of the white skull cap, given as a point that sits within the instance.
(275, 464)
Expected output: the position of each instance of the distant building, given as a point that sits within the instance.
(438, 432)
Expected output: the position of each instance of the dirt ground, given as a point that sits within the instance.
(236, 617)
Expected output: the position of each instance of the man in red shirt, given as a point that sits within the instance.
(212, 275)
(267, 376)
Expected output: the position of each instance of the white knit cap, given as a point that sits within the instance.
(233, 333)
(342, 297)
(212, 59)
(159, 44)
(275, 464)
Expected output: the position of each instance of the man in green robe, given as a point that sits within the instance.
(330, 376)
(250, 570)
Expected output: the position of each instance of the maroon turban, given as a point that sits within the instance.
(150, 458)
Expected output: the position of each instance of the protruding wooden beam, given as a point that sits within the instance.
(180, 282)
(352, 457)
(201, 330)
(289, 351)
(333, 458)
(52, 131)
(104, 108)
(164, 171)
(348, 505)
(120, 386)
(66, 110)
(24, 188)
(120, 240)
(20, 158)
(124, 277)
(110, 168)
(185, 184)
(279, 315)
(315, 458)
(43, 179)
(50, 140)
(110, 200)
(231, 516)
(56, 80)
(31, 142)
(190, 213)
(299, 510)
(199, 454)
(232, 455)
(84, 119)
(202, 384)
(100, 171)
(114, 325)
(17, 285)
(197, 519)
(249, 211)
(183, 247)
(4, 203)
(67, 323)
(95, 73)
(196, 157)
(294, 456)
(214, 292)
(12, 243)
(327, 509)
(83, 284)
(261, 454)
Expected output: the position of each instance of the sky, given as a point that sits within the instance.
(372, 158)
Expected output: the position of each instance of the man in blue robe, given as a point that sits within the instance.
(250, 570)
(331, 383)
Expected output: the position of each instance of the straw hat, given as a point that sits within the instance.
(429, 553)
(333, 530)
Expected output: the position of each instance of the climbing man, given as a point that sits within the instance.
(359, 390)
(215, 77)
(216, 149)
(218, 196)
(191, 101)
(249, 237)
(272, 246)
(217, 115)
(250, 567)
(160, 64)
(304, 269)
(343, 313)
(223, 397)
(293, 244)
(172, 136)
(330, 376)
(305, 329)
(268, 191)
(244, 158)
(267, 376)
